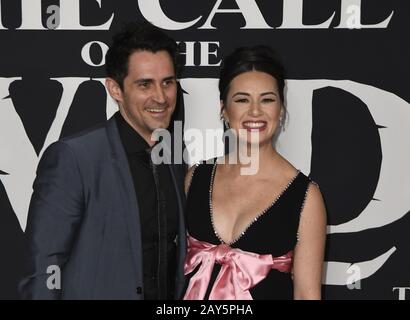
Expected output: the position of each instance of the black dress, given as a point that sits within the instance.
(275, 231)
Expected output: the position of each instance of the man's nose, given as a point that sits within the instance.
(159, 95)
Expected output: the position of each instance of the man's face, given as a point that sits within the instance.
(148, 98)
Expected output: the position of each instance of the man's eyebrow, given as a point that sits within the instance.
(143, 80)
(149, 80)
(169, 78)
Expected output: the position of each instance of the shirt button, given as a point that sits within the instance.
(139, 290)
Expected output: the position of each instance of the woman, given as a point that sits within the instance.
(259, 236)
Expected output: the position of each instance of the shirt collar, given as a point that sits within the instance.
(131, 139)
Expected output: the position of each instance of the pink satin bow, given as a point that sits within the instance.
(240, 271)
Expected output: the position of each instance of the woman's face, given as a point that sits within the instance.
(253, 104)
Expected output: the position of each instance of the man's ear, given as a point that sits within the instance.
(114, 89)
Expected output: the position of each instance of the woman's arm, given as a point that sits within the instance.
(309, 252)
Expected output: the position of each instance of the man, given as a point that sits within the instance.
(102, 212)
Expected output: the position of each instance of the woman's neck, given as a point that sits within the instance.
(253, 161)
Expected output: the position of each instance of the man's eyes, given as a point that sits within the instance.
(168, 82)
(144, 84)
(147, 84)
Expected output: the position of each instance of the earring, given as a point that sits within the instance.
(227, 124)
(281, 124)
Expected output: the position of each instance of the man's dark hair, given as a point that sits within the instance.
(137, 36)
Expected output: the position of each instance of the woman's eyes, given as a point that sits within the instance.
(265, 100)
(268, 100)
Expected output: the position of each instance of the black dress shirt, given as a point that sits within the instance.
(158, 209)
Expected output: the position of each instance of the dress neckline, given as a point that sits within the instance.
(260, 214)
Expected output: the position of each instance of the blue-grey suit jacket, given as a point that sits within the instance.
(84, 218)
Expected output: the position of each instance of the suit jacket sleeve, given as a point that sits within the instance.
(55, 213)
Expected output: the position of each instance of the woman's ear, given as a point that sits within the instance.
(114, 89)
(282, 110)
(224, 116)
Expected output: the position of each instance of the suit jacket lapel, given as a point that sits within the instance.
(131, 209)
(181, 240)
(129, 204)
(178, 177)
